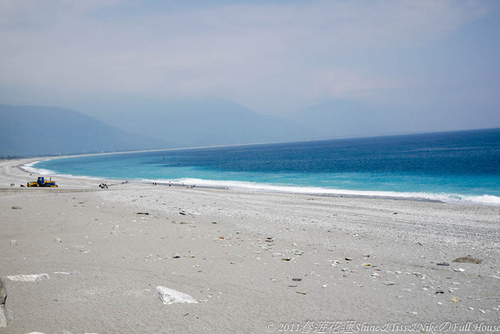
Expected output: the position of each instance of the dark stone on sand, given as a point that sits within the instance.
(443, 264)
(15, 207)
(468, 259)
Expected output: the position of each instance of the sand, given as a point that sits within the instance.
(252, 262)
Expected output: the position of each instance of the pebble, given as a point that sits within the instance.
(15, 207)
(348, 258)
(443, 264)
(482, 311)
(459, 270)
(389, 283)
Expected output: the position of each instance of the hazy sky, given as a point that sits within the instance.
(271, 56)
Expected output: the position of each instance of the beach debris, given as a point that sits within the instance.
(270, 239)
(302, 292)
(28, 278)
(16, 207)
(287, 259)
(468, 259)
(297, 279)
(13, 242)
(142, 213)
(348, 258)
(170, 296)
(461, 270)
(215, 223)
(67, 272)
(177, 256)
(445, 264)
(455, 299)
(3, 301)
(439, 292)
(366, 265)
(297, 252)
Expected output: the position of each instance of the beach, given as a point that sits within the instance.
(253, 262)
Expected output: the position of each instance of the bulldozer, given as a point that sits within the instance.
(41, 182)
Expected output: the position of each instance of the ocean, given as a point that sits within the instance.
(452, 167)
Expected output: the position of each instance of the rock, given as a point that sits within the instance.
(15, 207)
(297, 279)
(302, 292)
(443, 264)
(455, 299)
(28, 278)
(459, 270)
(468, 259)
(348, 258)
(170, 296)
(177, 256)
(389, 283)
(3, 301)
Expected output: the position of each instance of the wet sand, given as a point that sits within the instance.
(254, 262)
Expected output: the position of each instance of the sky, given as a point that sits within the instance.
(438, 59)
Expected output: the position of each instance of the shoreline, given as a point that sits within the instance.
(249, 259)
(451, 198)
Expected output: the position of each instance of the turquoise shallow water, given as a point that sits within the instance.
(461, 167)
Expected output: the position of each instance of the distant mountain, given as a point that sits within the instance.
(198, 122)
(343, 118)
(35, 130)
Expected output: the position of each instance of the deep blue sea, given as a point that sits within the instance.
(456, 167)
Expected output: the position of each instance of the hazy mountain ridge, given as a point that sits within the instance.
(200, 122)
(40, 130)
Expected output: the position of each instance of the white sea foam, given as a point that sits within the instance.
(441, 197)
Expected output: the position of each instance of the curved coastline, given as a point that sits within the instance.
(272, 188)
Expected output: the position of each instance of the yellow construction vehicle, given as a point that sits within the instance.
(41, 182)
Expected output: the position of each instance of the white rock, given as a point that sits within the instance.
(170, 296)
(28, 278)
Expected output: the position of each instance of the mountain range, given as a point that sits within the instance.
(139, 125)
